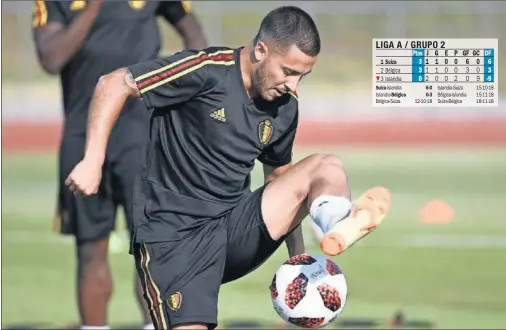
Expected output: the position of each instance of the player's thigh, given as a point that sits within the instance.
(249, 243)
(284, 201)
(125, 170)
(181, 279)
(88, 218)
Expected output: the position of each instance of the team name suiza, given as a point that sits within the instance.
(390, 61)
(384, 88)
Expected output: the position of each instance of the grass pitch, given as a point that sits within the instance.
(450, 274)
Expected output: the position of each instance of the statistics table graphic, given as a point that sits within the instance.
(435, 72)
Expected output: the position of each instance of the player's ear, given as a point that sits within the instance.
(260, 51)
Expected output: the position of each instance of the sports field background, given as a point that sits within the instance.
(448, 275)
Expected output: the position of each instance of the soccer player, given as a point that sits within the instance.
(81, 41)
(216, 111)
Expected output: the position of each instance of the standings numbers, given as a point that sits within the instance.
(456, 74)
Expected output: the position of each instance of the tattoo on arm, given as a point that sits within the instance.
(130, 82)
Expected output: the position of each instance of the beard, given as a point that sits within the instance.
(259, 81)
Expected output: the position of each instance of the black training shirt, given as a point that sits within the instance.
(206, 134)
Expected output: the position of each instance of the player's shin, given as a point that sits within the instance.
(367, 213)
(328, 195)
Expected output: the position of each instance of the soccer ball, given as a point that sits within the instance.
(309, 291)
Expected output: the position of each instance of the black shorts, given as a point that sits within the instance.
(181, 279)
(92, 218)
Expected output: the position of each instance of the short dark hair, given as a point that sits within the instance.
(290, 25)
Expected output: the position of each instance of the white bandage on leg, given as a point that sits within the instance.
(327, 210)
(95, 327)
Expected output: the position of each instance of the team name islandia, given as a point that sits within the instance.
(450, 87)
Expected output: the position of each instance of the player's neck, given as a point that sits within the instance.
(246, 67)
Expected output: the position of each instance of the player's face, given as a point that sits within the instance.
(278, 73)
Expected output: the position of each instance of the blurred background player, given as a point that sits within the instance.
(81, 41)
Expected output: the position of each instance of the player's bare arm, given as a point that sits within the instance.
(295, 241)
(56, 44)
(191, 31)
(109, 97)
(180, 15)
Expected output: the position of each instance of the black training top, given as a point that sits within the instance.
(206, 134)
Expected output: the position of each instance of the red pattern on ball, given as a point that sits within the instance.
(307, 322)
(332, 268)
(300, 259)
(330, 297)
(295, 291)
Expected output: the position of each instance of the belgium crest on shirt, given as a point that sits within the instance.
(174, 301)
(265, 130)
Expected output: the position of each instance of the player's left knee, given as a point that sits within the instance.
(332, 161)
(317, 169)
(332, 168)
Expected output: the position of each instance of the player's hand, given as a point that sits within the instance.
(85, 178)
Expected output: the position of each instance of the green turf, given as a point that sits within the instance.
(455, 286)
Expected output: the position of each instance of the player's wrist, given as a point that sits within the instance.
(96, 158)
